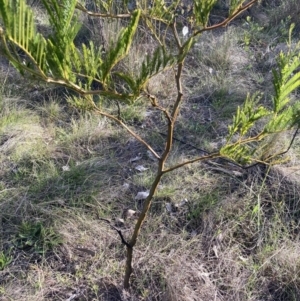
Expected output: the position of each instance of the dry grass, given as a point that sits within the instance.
(285, 11)
(233, 238)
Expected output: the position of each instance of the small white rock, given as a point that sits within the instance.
(193, 233)
(119, 222)
(185, 30)
(182, 203)
(142, 195)
(169, 207)
(129, 214)
(141, 168)
(125, 186)
(138, 157)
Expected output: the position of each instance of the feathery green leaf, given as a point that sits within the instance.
(121, 49)
(202, 10)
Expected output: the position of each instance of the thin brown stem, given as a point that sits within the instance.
(138, 225)
(160, 171)
(155, 104)
(175, 33)
(227, 20)
(179, 91)
(128, 267)
(99, 15)
(120, 122)
(202, 158)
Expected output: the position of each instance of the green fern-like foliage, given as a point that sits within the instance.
(122, 46)
(56, 59)
(246, 145)
(202, 11)
(153, 65)
(19, 33)
(235, 5)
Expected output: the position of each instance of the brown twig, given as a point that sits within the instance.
(159, 174)
(99, 15)
(118, 230)
(155, 104)
(202, 158)
(120, 122)
(227, 20)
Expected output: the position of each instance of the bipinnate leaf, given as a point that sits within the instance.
(19, 33)
(285, 80)
(234, 5)
(162, 10)
(202, 10)
(244, 144)
(152, 65)
(241, 153)
(247, 115)
(122, 46)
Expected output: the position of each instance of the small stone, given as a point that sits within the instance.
(141, 168)
(142, 195)
(119, 222)
(129, 214)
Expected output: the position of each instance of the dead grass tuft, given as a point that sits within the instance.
(189, 279)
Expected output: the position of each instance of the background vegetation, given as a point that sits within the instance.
(215, 231)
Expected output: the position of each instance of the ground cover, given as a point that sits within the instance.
(215, 231)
